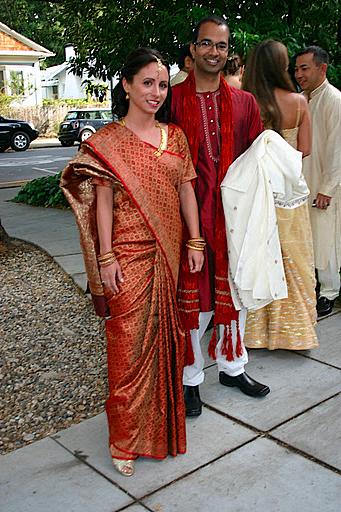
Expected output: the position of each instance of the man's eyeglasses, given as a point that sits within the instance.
(206, 44)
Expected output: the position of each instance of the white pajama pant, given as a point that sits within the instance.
(194, 374)
(329, 279)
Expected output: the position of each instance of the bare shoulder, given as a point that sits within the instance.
(301, 99)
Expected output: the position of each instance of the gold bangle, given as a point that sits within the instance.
(106, 256)
(190, 246)
(199, 241)
(107, 262)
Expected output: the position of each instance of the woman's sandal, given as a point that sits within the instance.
(125, 467)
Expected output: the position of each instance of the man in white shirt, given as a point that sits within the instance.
(185, 64)
(322, 170)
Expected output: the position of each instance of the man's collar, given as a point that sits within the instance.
(319, 89)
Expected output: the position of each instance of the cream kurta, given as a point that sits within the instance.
(179, 77)
(322, 170)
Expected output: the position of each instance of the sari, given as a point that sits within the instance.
(145, 340)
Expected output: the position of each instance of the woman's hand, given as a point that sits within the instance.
(195, 260)
(111, 276)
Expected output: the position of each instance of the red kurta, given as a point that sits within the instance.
(247, 126)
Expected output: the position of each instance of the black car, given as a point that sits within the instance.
(16, 134)
(80, 124)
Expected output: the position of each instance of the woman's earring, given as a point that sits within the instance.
(127, 96)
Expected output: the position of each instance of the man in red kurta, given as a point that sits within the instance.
(220, 123)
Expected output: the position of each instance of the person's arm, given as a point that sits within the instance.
(111, 275)
(189, 209)
(304, 128)
(255, 126)
(331, 175)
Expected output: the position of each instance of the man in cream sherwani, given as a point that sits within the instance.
(322, 170)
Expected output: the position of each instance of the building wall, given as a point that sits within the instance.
(21, 79)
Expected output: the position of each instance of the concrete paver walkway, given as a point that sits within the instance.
(277, 454)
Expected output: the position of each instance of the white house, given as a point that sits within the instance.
(60, 82)
(19, 66)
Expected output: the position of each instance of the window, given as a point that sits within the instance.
(106, 114)
(70, 116)
(55, 92)
(17, 83)
(2, 81)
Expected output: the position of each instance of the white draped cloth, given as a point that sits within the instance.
(266, 176)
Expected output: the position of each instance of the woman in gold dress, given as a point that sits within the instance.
(127, 186)
(286, 323)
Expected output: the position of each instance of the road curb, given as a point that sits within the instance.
(13, 184)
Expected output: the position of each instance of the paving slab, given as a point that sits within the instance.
(81, 280)
(296, 384)
(68, 245)
(135, 508)
(259, 477)
(45, 477)
(329, 335)
(317, 432)
(203, 433)
(72, 264)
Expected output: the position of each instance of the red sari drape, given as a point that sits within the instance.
(145, 341)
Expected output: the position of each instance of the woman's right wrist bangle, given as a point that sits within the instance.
(106, 259)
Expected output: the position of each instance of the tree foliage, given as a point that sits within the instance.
(105, 31)
(38, 20)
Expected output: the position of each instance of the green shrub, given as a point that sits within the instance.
(5, 102)
(42, 192)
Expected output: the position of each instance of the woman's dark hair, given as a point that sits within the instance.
(233, 65)
(266, 69)
(137, 60)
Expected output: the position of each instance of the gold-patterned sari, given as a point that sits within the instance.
(145, 342)
(289, 323)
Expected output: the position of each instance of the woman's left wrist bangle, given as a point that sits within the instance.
(197, 244)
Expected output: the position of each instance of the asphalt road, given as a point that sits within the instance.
(33, 163)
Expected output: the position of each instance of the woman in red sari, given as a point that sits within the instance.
(127, 186)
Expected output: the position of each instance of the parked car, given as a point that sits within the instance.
(80, 124)
(16, 134)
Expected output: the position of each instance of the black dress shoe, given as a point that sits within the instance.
(245, 383)
(324, 306)
(192, 400)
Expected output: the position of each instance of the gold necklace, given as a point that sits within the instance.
(163, 143)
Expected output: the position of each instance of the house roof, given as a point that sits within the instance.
(12, 43)
(52, 72)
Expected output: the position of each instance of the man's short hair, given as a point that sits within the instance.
(218, 20)
(183, 53)
(320, 56)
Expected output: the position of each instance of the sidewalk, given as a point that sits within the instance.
(277, 454)
(42, 142)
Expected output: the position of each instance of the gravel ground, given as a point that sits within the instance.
(52, 352)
